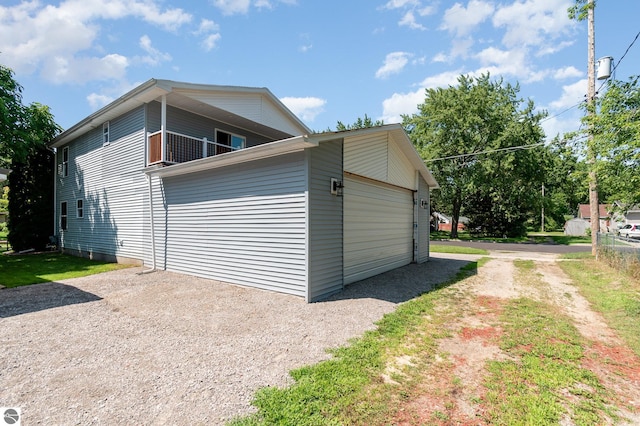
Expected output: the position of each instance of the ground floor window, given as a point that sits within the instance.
(63, 215)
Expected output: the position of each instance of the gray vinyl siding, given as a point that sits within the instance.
(325, 221)
(424, 216)
(190, 124)
(110, 182)
(243, 224)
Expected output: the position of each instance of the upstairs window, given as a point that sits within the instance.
(64, 167)
(63, 215)
(231, 140)
(105, 134)
(80, 208)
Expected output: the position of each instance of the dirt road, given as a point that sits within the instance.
(452, 388)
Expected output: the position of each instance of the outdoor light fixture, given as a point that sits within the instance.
(336, 187)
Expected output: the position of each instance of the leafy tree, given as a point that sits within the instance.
(565, 183)
(359, 124)
(31, 200)
(579, 10)
(616, 129)
(24, 131)
(472, 137)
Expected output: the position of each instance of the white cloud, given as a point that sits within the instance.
(461, 21)
(307, 108)
(410, 9)
(567, 72)
(80, 70)
(533, 22)
(97, 101)
(440, 57)
(232, 7)
(409, 20)
(572, 94)
(154, 57)
(394, 63)
(211, 41)
(407, 103)
(445, 79)
(211, 33)
(399, 4)
(35, 37)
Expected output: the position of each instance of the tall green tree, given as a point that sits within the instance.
(474, 137)
(24, 132)
(616, 129)
(360, 123)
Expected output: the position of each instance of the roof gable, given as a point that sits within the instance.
(239, 106)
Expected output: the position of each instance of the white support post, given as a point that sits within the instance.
(163, 129)
(204, 147)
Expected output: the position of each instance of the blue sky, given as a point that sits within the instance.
(326, 60)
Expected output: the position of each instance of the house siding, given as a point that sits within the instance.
(367, 156)
(109, 179)
(243, 224)
(424, 216)
(194, 125)
(325, 221)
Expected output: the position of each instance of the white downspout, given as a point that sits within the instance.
(153, 234)
(55, 196)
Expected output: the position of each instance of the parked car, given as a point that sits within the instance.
(630, 231)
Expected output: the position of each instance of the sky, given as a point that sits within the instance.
(327, 60)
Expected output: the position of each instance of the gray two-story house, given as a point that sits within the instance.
(226, 183)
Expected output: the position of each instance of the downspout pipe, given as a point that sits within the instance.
(153, 234)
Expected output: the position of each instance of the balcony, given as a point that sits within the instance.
(182, 148)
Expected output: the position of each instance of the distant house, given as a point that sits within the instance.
(584, 212)
(444, 222)
(226, 183)
(630, 216)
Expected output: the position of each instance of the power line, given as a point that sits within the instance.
(491, 151)
(620, 60)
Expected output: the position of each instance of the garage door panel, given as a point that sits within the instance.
(378, 228)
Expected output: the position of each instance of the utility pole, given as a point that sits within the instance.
(591, 149)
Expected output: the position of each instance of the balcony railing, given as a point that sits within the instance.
(181, 148)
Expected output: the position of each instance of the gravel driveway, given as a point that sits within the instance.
(162, 348)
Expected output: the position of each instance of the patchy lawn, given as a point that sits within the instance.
(532, 237)
(507, 342)
(18, 270)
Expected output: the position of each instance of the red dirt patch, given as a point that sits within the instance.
(489, 335)
(618, 360)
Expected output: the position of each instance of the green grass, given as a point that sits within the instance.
(441, 248)
(347, 388)
(545, 380)
(532, 237)
(41, 268)
(577, 256)
(611, 292)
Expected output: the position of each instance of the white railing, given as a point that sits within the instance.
(181, 148)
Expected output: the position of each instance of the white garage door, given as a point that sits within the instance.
(378, 228)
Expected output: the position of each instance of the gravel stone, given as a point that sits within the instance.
(127, 347)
